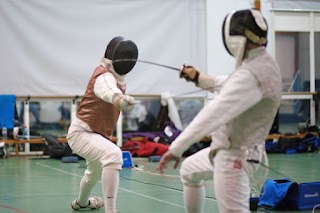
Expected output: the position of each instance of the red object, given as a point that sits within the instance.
(144, 148)
(237, 164)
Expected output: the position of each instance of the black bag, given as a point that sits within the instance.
(55, 149)
(309, 143)
(285, 144)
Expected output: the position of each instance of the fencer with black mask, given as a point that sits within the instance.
(238, 119)
(90, 133)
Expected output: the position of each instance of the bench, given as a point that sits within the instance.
(17, 142)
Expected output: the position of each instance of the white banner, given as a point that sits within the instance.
(52, 47)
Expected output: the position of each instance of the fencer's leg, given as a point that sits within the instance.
(194, 197)
(88, 181)
(112, 164)
(231, 182)
(102, 154)
(110, 186)
(194, 170)
(84, 144)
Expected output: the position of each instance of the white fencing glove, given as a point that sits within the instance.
(123, 102)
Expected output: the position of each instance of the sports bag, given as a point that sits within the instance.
(55, 149)
(274, 194)
(144, 148)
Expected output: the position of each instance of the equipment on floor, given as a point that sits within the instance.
(3, 150)
(54, 148)
(127, 159)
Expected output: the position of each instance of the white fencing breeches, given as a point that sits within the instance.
(231, 174)
(98, 151)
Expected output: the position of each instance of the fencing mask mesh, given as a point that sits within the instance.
(121, 49)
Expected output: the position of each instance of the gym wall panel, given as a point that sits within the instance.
(297, 4)
(292, 21)
(317, 22)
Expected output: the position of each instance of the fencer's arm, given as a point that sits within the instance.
(211, 83)
(105, 87)
(240, 92)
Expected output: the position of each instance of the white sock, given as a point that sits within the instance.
(85, 189)
(194, 197)
(110, 186)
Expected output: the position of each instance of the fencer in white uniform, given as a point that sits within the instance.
(90, 134)
(238, 119)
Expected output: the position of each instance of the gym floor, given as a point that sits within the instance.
(36, 185)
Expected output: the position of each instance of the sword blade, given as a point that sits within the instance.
(147, 62)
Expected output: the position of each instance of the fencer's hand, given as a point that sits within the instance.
(189, 73)
(124, 102)
(165, 159)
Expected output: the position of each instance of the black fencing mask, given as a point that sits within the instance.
(118, 51)
(240, 27)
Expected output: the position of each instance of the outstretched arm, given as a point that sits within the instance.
(211, 83)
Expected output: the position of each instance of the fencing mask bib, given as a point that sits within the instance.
(121, 49)
(240, 27)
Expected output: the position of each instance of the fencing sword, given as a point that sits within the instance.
(148, 62)
(165, 66)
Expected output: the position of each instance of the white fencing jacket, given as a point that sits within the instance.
(243, 111)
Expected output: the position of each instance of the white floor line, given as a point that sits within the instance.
(59, 170)
(153, 198)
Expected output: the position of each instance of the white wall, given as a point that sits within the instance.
(296, 4)
(219, 61)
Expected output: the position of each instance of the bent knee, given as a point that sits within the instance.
(112, 158)
(187, 175)
(191, 175)
(190, 178)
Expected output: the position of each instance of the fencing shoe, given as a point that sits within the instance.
(94, 203)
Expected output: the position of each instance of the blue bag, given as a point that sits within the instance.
(304, 196)
(274, 193)
(287, 195)
(7, 107)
